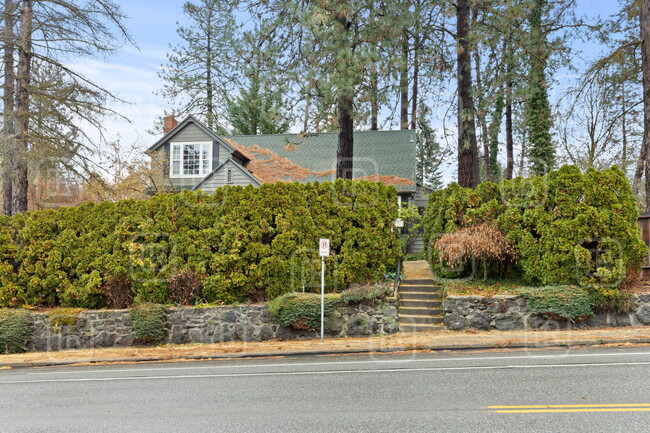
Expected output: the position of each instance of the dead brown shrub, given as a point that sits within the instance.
(118, 292)
(632, 281)
(479, 242)
(185, 286)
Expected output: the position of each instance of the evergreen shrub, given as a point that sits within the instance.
(368, 293)
(559, 302)
(301, 311)
(568, 228)
(243, 242)
(14, 330)
(149, 322)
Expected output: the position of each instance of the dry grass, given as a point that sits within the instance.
(468, 287)
(440, 340)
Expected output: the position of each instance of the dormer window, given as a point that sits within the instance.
(229, 176)
(190, 159)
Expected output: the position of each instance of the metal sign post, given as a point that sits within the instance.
(324, 249)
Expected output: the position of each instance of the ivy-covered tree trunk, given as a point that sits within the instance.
(468, 161)
(8, 95)
(541, 153)
(21, 181)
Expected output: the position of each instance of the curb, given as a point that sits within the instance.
(560, 343)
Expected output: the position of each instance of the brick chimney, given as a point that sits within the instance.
(169, 123)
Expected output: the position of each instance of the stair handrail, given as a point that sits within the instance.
(397, 277)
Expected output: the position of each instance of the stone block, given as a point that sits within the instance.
(391, 325)
(509, 322)
(456, 322)
(334, 324)
(265, 333)
(196, 336)
(357, 325)
(480, 321)
(643, 314)
(229, 316)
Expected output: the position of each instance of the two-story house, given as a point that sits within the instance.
(191, 156)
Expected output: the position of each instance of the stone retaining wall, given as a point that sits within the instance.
(507, 313)
(113, 328)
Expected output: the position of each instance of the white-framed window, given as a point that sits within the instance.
(229, 176)
(190, 159)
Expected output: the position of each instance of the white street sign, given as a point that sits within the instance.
(324, 247)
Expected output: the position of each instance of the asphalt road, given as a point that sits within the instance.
(604, 390)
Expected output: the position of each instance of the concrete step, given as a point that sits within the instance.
(421, 328)
(421, 303)
(419, 288)
(419, 311)
(425, 296)
(425, 320)
(419, 281)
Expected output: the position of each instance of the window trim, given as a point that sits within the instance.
(182, 144)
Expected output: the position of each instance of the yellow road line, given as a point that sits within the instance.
(548, 406)
(623, 409)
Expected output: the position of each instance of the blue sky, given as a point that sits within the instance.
(132, 73)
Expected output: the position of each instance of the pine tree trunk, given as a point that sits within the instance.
(623, 130)
(374, 100)
(21, 181)
(468, 161)
(208, 82)
(305, 120)
(480, 116)
(510, 156)
(345, 150)
(416, 74)
(640, 167)
(404, 84)
(8, 95)
(644, 18)
(495, 127)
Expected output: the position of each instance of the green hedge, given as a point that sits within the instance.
(559, 223)
(242, 242)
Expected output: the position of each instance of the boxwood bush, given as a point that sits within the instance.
(567, 227)
(239, 241)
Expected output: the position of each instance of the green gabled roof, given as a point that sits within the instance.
(376, 153)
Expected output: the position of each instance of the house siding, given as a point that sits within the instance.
(220, 179)
(190, 133)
